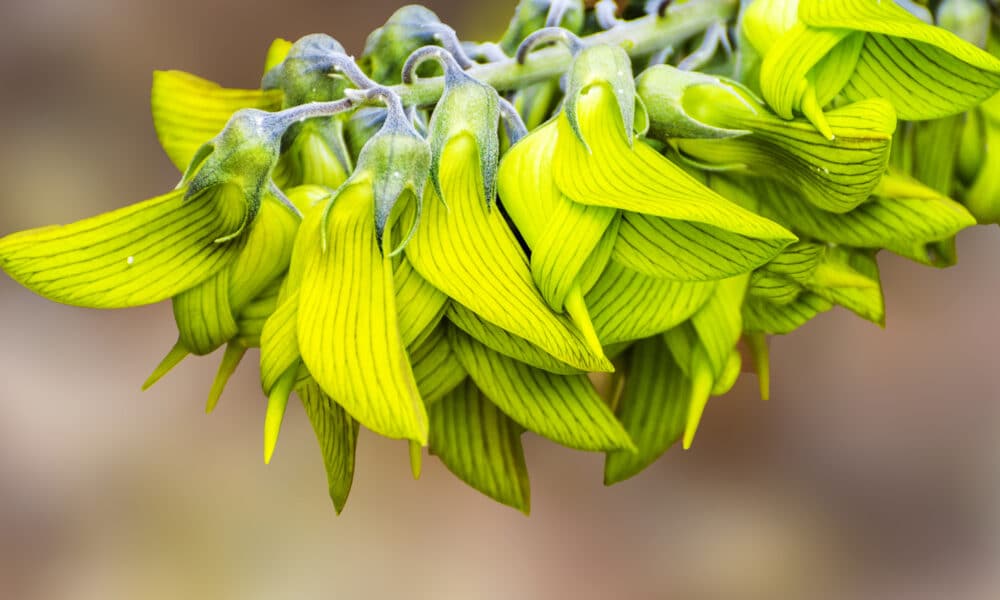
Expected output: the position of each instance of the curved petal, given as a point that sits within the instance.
(836, 175)
(719, 324)
(205, 320)
(347, 324)
(671, 249)
(189, 111)
(905, 225)
(627, 305)
(926, 72)
(565, 409)
(137, 255)
(767, 317)
(267, 253)
(276, 53)
(435, 366)
(317, 155)
(640, 180)
(279, 343)
(337, 434)
(787, 64)
(653, 409)
(850, 278)
(468, 251)
(508, 344)
(421, 306)
(481, 446)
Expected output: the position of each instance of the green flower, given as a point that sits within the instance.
(633, 207)
(816, 50)
(158, 248)
(666, 380)
(465, 248)
(903, 216)
(721, 125)
(189, 111)
(314, 151)
(232, 306)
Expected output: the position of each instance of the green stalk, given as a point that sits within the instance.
(640, 37)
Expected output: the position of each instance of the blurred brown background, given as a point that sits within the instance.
(873, 473)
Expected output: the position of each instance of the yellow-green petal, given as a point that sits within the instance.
(337, 434)
(719, 324)
(508, 344)
(317, 155)
(766, 317)
(721, 238)
(926, 72)
(435, 366)
(347, 324)
(137, 255)
(653, 409)
(467, 250)
(276, 53)
(563, 408)
(204, 317)
(626, 305)
(836, 175)
(421, 305)
(481, 446)
(906, 224)
(279, 344)
(189, 111)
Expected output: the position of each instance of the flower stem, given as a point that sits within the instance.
(640, 37)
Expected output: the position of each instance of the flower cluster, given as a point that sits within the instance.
(452, 243)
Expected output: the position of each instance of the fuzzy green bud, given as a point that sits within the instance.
(243, 154)
(680, 103)
(305, 74)
(609, 66)
(467, 107)
(395, 159)
(388, 47)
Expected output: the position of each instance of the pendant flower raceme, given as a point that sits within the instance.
(586, 245)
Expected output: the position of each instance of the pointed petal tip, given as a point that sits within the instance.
(171, 360)
(416, 459)
(230, 360)
(764, 383)
(576, 307)
(277, 402)
(701, 386)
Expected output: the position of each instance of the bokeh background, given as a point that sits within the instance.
(874, 472)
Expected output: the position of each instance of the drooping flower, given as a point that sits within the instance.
(162, 247)
(188, 110)
(464, 246)
(633, 206)
(722, 125)
(815, 50)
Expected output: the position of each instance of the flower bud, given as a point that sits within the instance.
(243, 154)
(467, 107)
(305, 74)
(680, 103)
(388, 47)
(812, 162)
(609, 66)
(395, 159)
